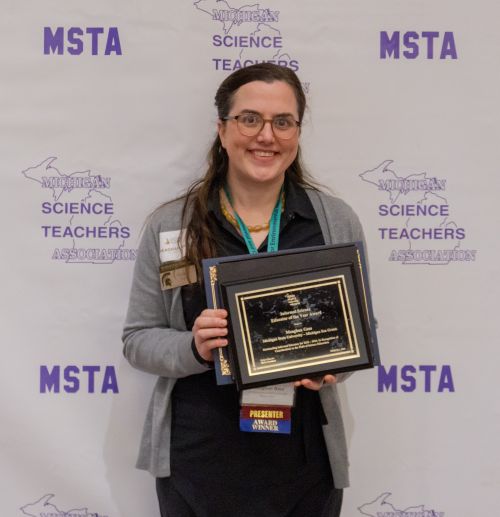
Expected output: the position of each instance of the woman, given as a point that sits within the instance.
(204, 465)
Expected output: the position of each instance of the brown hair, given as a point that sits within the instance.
(200, 227)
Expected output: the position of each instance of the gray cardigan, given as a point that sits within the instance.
(156, 340)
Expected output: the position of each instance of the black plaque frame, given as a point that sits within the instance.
(326, 325)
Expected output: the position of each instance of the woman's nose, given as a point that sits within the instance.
(266, 134)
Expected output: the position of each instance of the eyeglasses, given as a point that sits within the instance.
(251, 124)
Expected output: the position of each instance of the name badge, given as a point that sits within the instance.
(172, 246)
(276, 395)
(176, 274)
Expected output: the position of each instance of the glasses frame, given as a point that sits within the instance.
(264, 120)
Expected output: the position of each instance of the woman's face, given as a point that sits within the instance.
(263, 158)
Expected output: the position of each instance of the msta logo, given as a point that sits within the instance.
(411, 378)
(78, 40)
(431, 44)
(72, 379)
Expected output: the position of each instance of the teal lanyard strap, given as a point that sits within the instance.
(274, 226)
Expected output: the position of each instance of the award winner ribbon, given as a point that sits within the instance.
(266, 419)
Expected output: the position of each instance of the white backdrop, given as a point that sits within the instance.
(111, 104)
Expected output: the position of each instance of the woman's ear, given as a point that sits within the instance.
(221, 130)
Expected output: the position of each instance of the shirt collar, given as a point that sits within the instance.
(296, 202)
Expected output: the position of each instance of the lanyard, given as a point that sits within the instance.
(274, 226)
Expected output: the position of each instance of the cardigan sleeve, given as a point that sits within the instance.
(155, 337)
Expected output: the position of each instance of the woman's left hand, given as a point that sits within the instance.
(316, 383)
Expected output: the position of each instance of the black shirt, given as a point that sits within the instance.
(214, 465)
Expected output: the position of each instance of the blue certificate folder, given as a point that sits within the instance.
(308, 261)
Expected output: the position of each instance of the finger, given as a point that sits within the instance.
(210, 344)
(209, 322)
(205, 348)
(310, 384)
(210, 333)
(316, 383)
(214, 313)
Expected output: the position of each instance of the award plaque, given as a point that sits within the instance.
(293, 314)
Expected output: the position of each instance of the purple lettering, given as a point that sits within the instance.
(407, 375)
(408, 42)
(389, 46)
(427, 369)
(91, 370)
(53, 42)
(430, 36)
(446, 379)
(110, 382)
(49, 380)
(94, 32)
(71, 377)
(387, 380)
(73, 39)
(448, 48)
(113, 43)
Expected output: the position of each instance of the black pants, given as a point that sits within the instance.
(317, 502)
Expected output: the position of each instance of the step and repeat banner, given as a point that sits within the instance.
(106, 111)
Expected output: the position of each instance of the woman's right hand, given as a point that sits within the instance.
(209, 331)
